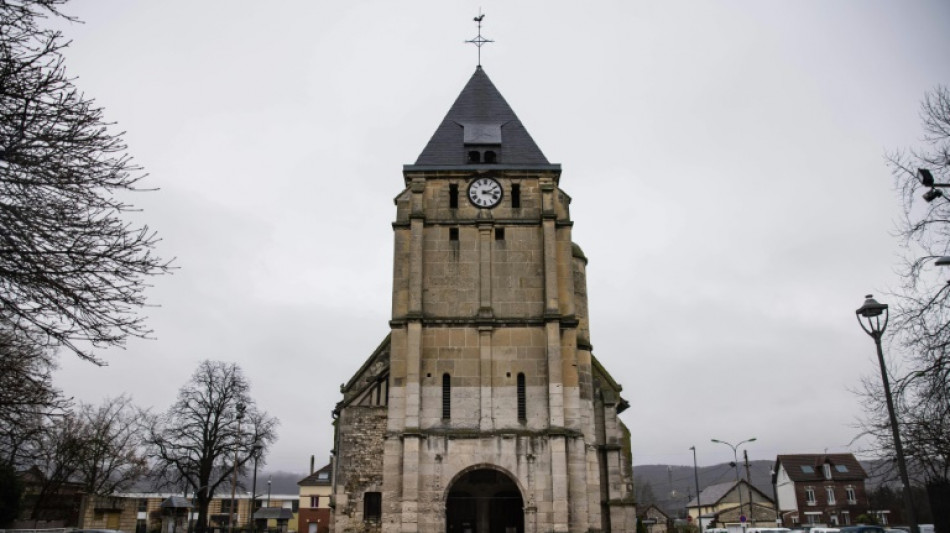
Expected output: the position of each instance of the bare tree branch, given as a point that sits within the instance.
(72, 267)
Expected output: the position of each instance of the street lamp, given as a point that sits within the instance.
(735, 455)
(875, 317)
(927, 180)
(233, 514)
(256, 452)
(699, 505)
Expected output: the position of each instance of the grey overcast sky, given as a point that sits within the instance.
(725, 160)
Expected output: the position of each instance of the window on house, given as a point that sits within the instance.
(830, 493)
(453, 196)
(516, 195)
(841, 468)
(522, 401)
(826, 469)
(849, 494)
(372, 506)
(143, 505)
(323, 475)
(809, 496)
(499, 234)
(226, 506)
(846, 518)
(141, 525)
(314, 502)
(834, 520)
(453, 234)
(295, 505)
(807, 469)
(446, 396)
(490, 156)
(812, 518)
(474, 156)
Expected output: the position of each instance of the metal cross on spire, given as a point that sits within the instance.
(479, 41)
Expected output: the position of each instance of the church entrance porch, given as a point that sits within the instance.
(484, 501)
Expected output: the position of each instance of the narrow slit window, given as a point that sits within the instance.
(453, 234)
(522, 402)
(453, 196)
(446, 396)
(516, 195)
(499, 234)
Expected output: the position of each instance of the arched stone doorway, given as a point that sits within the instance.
(484, 501)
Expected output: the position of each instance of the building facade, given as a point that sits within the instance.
(484, 409)
(725, 504)
(820, 489)
(154, 512)
(315, 491)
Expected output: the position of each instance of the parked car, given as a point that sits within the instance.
(863, 529)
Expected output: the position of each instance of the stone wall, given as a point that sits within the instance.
(359, 469)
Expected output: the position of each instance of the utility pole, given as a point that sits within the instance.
(748, 480)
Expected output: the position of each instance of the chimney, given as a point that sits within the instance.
(311, 464)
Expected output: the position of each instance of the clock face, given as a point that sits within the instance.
(484, 192)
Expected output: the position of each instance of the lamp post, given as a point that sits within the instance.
(778, 516)
(256, 452)
(233, 514)
(735, 463)
(268, 491)
(875, 317)
(699, 505)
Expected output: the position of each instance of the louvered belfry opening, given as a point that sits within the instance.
(446, 396)
(522, 402)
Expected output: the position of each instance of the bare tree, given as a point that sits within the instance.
(113, 438)
(212, 427)
(921, 318)
(27, 397)
(56, 455)
(72, 266)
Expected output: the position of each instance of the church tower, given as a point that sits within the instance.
(484, 409)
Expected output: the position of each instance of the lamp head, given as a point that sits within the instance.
(871, 307)
(925, 177)
(932, 195)
(875, 317)
(943, 261)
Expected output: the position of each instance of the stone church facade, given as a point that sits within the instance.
(484, 409)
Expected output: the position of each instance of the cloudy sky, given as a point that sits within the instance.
(726, 161)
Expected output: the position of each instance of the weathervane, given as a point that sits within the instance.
(479, 41)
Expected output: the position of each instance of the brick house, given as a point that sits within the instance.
(820, 489)
(315, 491)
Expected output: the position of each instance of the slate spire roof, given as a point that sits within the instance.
(481, 117)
